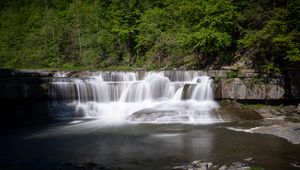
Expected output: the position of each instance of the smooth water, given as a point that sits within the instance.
(147, 97)
(140, 146)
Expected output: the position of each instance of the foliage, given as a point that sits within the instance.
(233, 74)
(92, 34)
(276, 44)
(251, 82)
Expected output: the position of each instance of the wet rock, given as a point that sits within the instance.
(234, 112)
(248, 159)
(295, 165)
(200, 165)
(151, 115)
(298, 109)
(203, 165)
(241, 168)
(215, 167)
(78, 74)
(294, 118)
(194, 163)
(238, 166)
(288, 110)
(80, 112)
(81, 166)
(185, 91)
(224, 167)
(179, 168)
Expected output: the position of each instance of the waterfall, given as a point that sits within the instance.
(142, 97)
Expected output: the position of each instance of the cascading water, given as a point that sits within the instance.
(143, 97)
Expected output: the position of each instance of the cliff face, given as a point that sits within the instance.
(249, 85)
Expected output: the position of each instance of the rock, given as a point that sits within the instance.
(194, 163)
(81, 166)
(248, 73)
(200, 165)
(79, 74)
(80, 112)
(209, 164)
(215, 167)
(248, 89)
(288, 130)
(288, 110)
(268, 112)
(294, 118)
(238, 164)
(248, 159)
(295, 165)
(204, 166)
(234, 112)
(223, 167)
(179, 168)
(244, 168)
(298, 108)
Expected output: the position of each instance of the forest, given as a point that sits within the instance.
(149, 34)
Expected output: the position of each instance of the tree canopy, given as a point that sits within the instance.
(196, 34)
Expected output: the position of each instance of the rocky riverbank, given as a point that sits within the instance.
(281, 121)
(289, 131)
(204, 165)
(194, 165)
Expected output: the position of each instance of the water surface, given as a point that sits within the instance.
(140, 146)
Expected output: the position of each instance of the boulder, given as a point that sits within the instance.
(288, 110)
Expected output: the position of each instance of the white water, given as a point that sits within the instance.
(148, 97)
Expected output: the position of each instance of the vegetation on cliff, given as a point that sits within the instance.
(196, 34)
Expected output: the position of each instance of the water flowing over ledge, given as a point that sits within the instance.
(148, 97)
